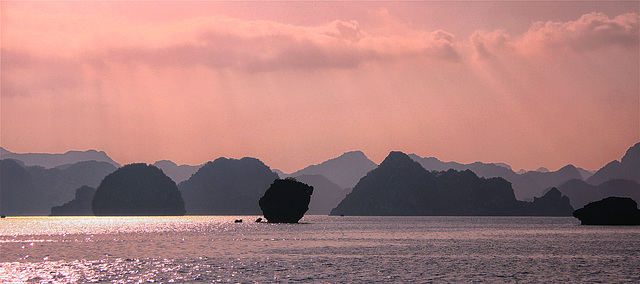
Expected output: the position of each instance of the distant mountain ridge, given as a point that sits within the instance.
(401, 186)
(326, 194)
(627, 168)
(53, 181)
(582, 193)
(345, 170)
(55, 160)
(527, 185)
(34, 190)
(177, 173)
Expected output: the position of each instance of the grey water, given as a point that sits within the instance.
(326, 249)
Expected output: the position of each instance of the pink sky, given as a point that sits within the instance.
(530, 84)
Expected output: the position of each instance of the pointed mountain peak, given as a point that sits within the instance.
(344, 170)
(351, 156)
(397, 158)
(632, 156)
(396, 155)
(553, 193)
(568, 168)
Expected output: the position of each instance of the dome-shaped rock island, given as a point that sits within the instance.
(609, 211)
(138, 190)
(286, 201)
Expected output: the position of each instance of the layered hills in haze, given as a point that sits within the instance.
(627, 168)
(31, 184)
(177, 173)
(345, 170)
(227, 187)
(526, 185)
(401, 186)
(326, 194)
(34, 190)
(55, 160)
(582, 193)
(617, 178)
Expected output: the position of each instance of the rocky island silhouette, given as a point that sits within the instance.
(610, 211)
(79, 206)
(286, 201)
(137, 190)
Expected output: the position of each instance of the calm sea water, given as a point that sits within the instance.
(322, 249)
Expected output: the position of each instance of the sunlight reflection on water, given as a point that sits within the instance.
(322, 249)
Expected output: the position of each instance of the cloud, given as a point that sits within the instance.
(591, 32)
(256, 46)
(24, 73)
(485, 44)
(35, 59)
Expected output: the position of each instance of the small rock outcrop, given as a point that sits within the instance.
(138, 190)
(609, 211)
(79, 206)
(286, 201)
(552, 203)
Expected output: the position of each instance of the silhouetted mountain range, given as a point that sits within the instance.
(55, 160)
(581, 193)
(227, 187)
(526, 186)
(58, 185)
(345, 170)
(35, 190)
(627, 168)
(401, 186)
(585, 173)
(176, 173)
(326, 194)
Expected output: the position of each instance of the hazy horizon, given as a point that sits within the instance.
(529, 84)
(322, 161)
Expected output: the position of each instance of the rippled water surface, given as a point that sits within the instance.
(321, 249)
